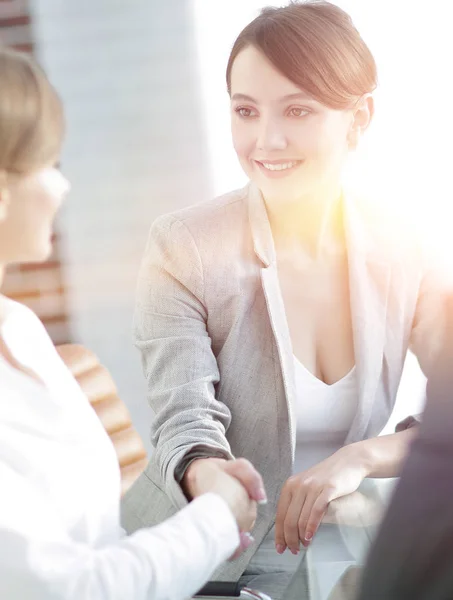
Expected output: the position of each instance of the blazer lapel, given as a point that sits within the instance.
(369, 278)
(265, 250)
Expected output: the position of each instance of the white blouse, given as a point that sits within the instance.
(324, 414)
(60, 534)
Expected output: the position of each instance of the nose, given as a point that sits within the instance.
(270, 136)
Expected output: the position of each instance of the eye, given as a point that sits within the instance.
(245, 112)
(297, 111)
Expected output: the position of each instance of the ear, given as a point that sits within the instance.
(361, 118)
(5, 196)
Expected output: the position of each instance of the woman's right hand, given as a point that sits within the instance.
(236, 481)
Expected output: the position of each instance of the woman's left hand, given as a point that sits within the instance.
(305, 497)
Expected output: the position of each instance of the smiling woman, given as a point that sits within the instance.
(280, 132)
(308, 101)
(274, 321)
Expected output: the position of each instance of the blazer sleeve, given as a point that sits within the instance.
(170, 330)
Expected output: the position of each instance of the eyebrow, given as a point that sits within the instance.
(296, 96)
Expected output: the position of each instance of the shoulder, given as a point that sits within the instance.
(21, 329)
(414, 246)
(214, 216)
(395, 230)
(17, 315)
(187, 242)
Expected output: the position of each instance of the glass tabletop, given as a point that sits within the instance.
(329, 569)
(332, 564)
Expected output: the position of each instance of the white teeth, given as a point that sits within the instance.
(279, 167)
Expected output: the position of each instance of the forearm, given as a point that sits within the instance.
(384, 456)
(188, 480)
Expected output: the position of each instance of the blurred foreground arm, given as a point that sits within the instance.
(413, 555)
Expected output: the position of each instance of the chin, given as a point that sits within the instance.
(39, 255)
(287, 191)
(45, 254)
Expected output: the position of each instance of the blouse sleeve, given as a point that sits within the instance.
(39, 561)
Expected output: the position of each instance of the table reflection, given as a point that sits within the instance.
(330, 568)
(335, 558)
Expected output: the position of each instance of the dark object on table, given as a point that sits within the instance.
(229, 589)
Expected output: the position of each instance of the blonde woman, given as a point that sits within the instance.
(60, 535)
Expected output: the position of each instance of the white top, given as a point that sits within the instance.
(324, 414)
(60, 534)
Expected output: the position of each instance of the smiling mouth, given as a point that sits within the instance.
(280, 166)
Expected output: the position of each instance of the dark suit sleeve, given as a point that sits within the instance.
(412, 557)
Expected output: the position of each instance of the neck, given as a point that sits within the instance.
(312, 224)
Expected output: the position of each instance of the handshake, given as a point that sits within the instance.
(237, 482)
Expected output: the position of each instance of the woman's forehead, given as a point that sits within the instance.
(254, 78)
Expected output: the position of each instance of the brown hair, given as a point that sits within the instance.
(316, 45)
(31, 114)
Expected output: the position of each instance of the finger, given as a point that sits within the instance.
(291, 524)
(304, 517)
(282, 509)
(246, 540)
(317, 513)
(246, 473)
(250, 519)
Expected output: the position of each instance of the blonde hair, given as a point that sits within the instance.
(31, 115)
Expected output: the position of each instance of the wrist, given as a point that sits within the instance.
(191, 481)
(365, 456)
(188, 482)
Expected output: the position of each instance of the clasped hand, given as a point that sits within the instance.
(237, 482)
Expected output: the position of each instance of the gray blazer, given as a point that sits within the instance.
(211, 327)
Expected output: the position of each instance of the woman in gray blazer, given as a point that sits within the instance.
(292, 273)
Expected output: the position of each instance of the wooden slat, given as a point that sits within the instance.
(97, 384)
(36, 281)
(113, 414)
(15, 20)
(128, 446)
(77, 358)
(49, 264)
(49, 306)
(13, 8)
(12, 36)
(24, 47)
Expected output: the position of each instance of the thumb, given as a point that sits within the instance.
(248, 476)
